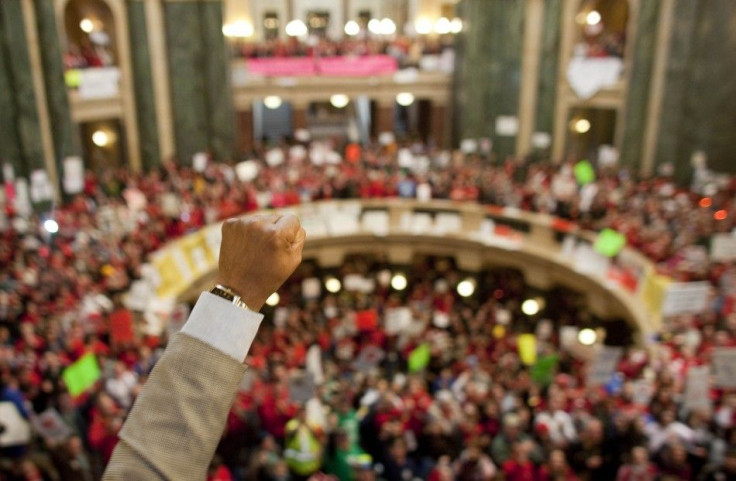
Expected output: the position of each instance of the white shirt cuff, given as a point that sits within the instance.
(222, 325)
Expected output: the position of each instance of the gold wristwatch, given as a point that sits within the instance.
(229, 295)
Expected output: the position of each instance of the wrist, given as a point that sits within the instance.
(249, 297)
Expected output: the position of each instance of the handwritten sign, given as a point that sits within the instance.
(723, 247)
(724, 367)
(685, 298)
(604, 365)
(697, 389)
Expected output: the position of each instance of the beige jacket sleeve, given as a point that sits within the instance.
(177, 421)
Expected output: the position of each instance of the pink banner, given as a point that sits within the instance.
(357, 66)
(329, 66)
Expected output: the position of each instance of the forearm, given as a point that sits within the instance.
(177, 421)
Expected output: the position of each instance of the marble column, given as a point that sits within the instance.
(145, 100)
(548, 67)
(26, 119)
(188, 87)
(491, 68)
(640, 82)
(64, 133)
(299, 119)
(10, 149)
(246, 142)
(220, 106)
(384, 117)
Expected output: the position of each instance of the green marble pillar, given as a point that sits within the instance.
(220, 107)
(13, 41)
(65, 135)
(10, 151)
(548, 66)
(143, 83)
(700, 96)
(491, 68)
(186, 53)
(636, 110)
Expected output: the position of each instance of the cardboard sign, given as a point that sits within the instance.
(609, 243)
(301, 388)
(73, 175)
(81, 375)
(41, 188)
(50, 424)
(419, 358)
(685, 298)
(604, 365)
(584, 172)
(724, 367)
(697, 389)
(398, 320)
(247, 171)
(527, 345)
(723, 247)
(121, 327)
(17, 430)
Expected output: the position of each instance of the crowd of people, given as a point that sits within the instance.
(471, 411)
(408, 52)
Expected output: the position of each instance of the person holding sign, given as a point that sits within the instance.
(176, 422)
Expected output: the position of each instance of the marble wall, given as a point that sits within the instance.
(200, 84)
(143, 86)
(700, 92)
(548, 67)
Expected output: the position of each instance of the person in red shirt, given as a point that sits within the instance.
(520, 467)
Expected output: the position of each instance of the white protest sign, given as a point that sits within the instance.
(398, 320)
(386, 138)
(724, 367)
(17, 430)
(41, 188)
(302, 135)
(199, 161)
(51, 425)
(541, 140)
(301, 388)
(73, 175)
(98, 83)
(22, 201)
(424, 192)
(274, 157)
(697, 390)
(507, 125)
(298, 153)
(685, 298)
(723, 247)
(247, 171)
(8, 173)
(314, 363)
(604, 365)
(468, 146)
(138, 296)
(369, 358)
(643, 390)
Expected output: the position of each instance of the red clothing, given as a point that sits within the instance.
(516, 471)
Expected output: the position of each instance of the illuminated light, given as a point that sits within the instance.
(272, 102)
(581, 126)
(100, 138)
(374, 26)
(274, 299)
(239, 29)
(352, 28)
(339, 101)
(456, 25)
(87, 25)
(530, 307)
(399, 282)
(720, 215)
(423, 26)
(405, 99)
(333, 285)
(296, 28)
(705, 202)
(442, 26)
(587, 337)
(388, 27)
(466, 288)
(593, 18)
(51, 226)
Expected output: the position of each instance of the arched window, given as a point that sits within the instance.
(90, 35)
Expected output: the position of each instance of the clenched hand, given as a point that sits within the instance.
(258, 254)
